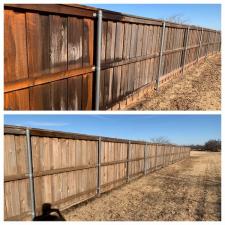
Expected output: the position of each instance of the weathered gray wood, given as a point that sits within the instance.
(128, 160)
(71, 168)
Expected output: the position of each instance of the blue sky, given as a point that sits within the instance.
(206, 15)
(179, 129)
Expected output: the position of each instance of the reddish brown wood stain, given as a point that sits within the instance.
(43, 40)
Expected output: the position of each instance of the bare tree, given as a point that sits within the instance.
(160, 140)
(178, 18)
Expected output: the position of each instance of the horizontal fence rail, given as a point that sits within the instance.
(64, 169)
(71, 57)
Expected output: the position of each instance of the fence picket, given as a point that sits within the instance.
(59, 73)
(65, 168)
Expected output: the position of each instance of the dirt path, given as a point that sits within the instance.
(188, 190)
(198, 90)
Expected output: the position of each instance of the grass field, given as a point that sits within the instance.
(189, 190)
(199, 89)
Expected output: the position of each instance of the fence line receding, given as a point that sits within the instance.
(50, 55)
(70, 168)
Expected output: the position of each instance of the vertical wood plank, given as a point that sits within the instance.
(58, 60)
(88, 42)
(118, 57)
(110, 49)
(126, 52)
(15, 48)
(75, 52)
(37, 26)
(103, 58)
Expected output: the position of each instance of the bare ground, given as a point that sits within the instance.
(199, 89)
(189, 190)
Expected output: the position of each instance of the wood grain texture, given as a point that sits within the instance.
(17, 198)
(37, 27)
(58, 43)
(87, 85)
(88, 46)
(15, 57)
(110, 49)
(63, 187)
(45, 45)
(17, 100)
(58, 60)
(118, 57)
(126, 54)
(75, 93)
(40, 97)
(75, 42)
(75, 60)
(103, 58)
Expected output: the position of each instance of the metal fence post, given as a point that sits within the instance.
(185, 50)
(214, 44)
(161, 55)
(98, 59)
(128, 159)
(99, 168)
(207, 47)
(145, 165)
(30, 172)
(156, 156)
(200, 45)
(171, 156)
(164, 155)
(220, 42)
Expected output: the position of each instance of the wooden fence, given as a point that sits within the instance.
(49, 55)
(70, 168)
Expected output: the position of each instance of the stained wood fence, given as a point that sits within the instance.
(66, 168)
(49, 55)
(50, 52)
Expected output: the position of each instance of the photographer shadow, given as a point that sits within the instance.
(49, 214)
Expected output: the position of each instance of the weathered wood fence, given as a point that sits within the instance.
(66, 168)
(50, 53)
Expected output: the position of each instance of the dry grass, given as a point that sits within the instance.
(199, 89)
(189, 190)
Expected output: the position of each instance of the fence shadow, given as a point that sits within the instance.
(49, 214)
